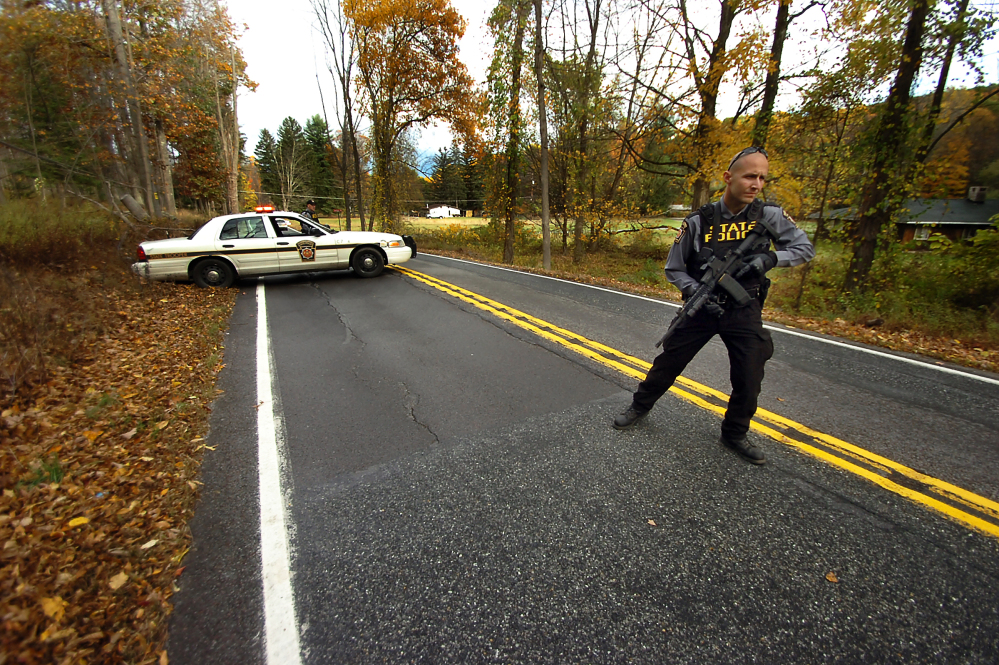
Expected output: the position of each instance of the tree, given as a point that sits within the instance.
(339, 42)
(267, 167)
(321, 163)
(508, 23)
(539, 74)
(407, 58)
(291, 161)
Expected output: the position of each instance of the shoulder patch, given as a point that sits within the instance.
(683, 229)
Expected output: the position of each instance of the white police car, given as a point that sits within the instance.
(267, 242)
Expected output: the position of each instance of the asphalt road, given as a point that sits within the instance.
(455, 492)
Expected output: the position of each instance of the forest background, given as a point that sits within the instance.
(599, 126)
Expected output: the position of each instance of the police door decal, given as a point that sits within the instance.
(306, 249)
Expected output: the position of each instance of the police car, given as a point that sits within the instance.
(267, 242)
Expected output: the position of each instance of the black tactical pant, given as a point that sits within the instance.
(749, 348)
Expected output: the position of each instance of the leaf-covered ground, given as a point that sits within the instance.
(99, 473)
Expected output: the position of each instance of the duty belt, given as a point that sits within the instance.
(726, 301)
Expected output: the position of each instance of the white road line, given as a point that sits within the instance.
(786, 331)
(280, 625)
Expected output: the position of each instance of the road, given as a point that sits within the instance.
(447, 488)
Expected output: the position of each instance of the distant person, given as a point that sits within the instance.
(310, 210)
(712, 231)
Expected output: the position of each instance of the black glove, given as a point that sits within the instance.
(712, 307)
(688, 292)
(758, 264)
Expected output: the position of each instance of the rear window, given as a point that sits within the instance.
(243, 227)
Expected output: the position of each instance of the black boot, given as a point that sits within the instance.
(746, 449)
(630, 416)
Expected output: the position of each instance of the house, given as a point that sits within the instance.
(443, 211)
(954, 218)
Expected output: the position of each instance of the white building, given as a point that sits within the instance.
(442, 212)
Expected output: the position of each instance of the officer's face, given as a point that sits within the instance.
(745, 180)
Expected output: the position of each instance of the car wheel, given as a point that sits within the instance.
(367, 262)
(213, 273)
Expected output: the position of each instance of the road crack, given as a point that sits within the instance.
(410, 401)
(348, 330)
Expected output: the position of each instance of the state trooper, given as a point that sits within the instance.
(714, 230)
(310, 210)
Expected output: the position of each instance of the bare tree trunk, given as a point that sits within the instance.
(876, 208)
(229, 138)
(3, 178)
(513, 140)
(593, 17)
(338, 40)
(763, 117)
(539, 59)
(707, 86)
(166, 169)
(923, 149)
(141, 144)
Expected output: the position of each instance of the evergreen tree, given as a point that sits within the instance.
(322, 181)
(291, 156)
(265, 153)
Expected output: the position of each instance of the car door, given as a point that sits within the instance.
(248, 245)
(303, 246)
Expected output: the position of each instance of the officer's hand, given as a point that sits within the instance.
(758, 264)
(712, 307)
(688, 292)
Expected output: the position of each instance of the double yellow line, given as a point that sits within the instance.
(959, 504)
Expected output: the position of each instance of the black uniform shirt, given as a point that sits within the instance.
(792, 245)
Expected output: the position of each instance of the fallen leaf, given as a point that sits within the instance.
(79, 521)
(652, 522)
(129, 434)
(164, 660)
(92, 434)
(146, 546)
(54, 608)
(118, 580)
(162, 424)
(831, 576)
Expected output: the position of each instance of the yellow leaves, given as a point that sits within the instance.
(118, 581)
(54, 608)
(78, 521)
(831, 576)
(91, 435)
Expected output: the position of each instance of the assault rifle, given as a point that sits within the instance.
(718, 274)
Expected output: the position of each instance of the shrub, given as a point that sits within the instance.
(31, 234)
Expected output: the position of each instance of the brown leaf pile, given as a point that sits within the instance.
(98, 471)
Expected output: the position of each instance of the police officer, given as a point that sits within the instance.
(310, 210)
(714, 230)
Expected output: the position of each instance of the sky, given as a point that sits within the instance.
(284, 54)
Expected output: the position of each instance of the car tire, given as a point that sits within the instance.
(213, 273)
(367, 262)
